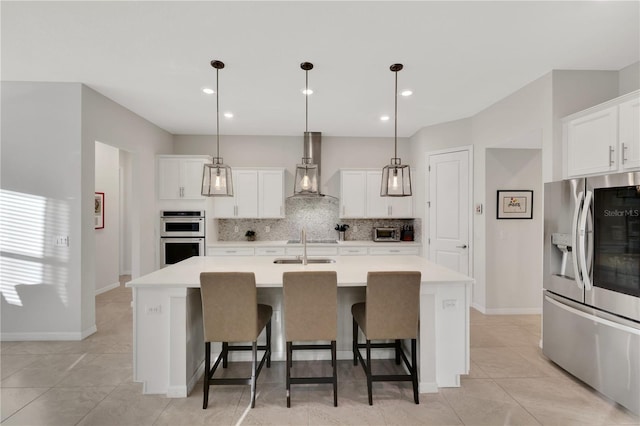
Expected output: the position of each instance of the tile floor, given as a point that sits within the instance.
(90, 383)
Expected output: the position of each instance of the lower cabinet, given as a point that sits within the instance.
(358, 250)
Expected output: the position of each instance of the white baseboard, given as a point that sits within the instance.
(478, 308)
(46, 336)
(125, 273)
(428, 387)
(514, 311)
(107, 288)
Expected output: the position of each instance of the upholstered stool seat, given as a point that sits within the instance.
(310, 314)
(390, 312)
(231, 314)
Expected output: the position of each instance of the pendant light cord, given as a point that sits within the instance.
(306, 101)
(395, 119)
(217, 116)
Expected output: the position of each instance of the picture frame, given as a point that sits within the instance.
(514, 204)
(98, 215)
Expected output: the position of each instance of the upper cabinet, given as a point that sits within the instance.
(257, 193)
(180, 176)
(603, 139)
(360, 197)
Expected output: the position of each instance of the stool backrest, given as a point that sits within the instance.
(310, 305)
(229, 306)
(393, 304)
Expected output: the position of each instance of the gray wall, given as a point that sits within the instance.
(629, 79)
(42, 183)
(514, 261)
(49, 132)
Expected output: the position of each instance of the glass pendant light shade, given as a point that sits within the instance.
(396, 180)
(306, 182)
(216, 177)
(396, 177)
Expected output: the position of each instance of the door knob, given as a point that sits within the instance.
(464, 246)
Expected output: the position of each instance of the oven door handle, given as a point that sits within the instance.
(585, 241)
(574, 240)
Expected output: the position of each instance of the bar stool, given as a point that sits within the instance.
(391, 312)
(231, 313)
(310, 314)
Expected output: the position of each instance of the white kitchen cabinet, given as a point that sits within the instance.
(257, 193)
(230, 251)
(399, 250)
(353, 251)
(603, 139)
(244, 202)
(271, 193)
(360, 197)
(385, 207)
(629, 134)
(353, 196)
(180, 177)
(312, 251)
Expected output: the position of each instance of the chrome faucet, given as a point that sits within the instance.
(303, 240)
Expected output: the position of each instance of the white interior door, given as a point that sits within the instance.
(449, 210)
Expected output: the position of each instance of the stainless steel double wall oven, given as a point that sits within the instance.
(591, 307)
(182, 235)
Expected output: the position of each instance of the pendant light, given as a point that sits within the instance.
(216, 177)
(306, 180)
(396, 177)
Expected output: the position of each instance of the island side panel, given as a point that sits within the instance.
(151, 339)
(452, 333)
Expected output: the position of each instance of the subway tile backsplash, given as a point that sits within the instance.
(318, 216)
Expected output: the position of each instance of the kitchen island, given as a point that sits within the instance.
(168, 346)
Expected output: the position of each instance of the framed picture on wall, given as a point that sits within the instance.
(98, 215)
(514, 204)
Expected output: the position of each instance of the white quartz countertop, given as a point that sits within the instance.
(351, 270)
(284, 243)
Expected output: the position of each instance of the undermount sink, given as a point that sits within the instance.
(299, 261)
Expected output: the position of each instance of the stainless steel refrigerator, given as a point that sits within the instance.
(591, 306)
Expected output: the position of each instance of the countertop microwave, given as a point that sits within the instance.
(386, 234)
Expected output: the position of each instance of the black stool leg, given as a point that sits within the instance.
(414, 371)
(368, 371)
(398, 351)
(355, 342)
(335, 373)
(288, 361)
(269, 344)
(254, 362)
(225, 354)
(207, 367)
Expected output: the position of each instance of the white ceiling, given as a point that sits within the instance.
(459, 57)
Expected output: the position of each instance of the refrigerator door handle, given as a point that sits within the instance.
(585, 242)
(574, 240)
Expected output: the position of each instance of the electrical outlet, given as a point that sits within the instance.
(235, 229)
(355, 228)
(276, 316)
(449, 304)
(153, 310)
(267, 229)
(61, 241)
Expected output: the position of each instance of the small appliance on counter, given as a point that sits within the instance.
(386, 234)
(407, 233)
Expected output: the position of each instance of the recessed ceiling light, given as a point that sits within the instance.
(228, 114)
(307, 91)
(406, 93)
(384, 118)
(208, 91)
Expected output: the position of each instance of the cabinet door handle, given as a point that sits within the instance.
(624, 152)
(394, 251)
(611, 150)
(230, 251)
(464, 246)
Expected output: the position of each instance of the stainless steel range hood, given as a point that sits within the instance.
(307, 178)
